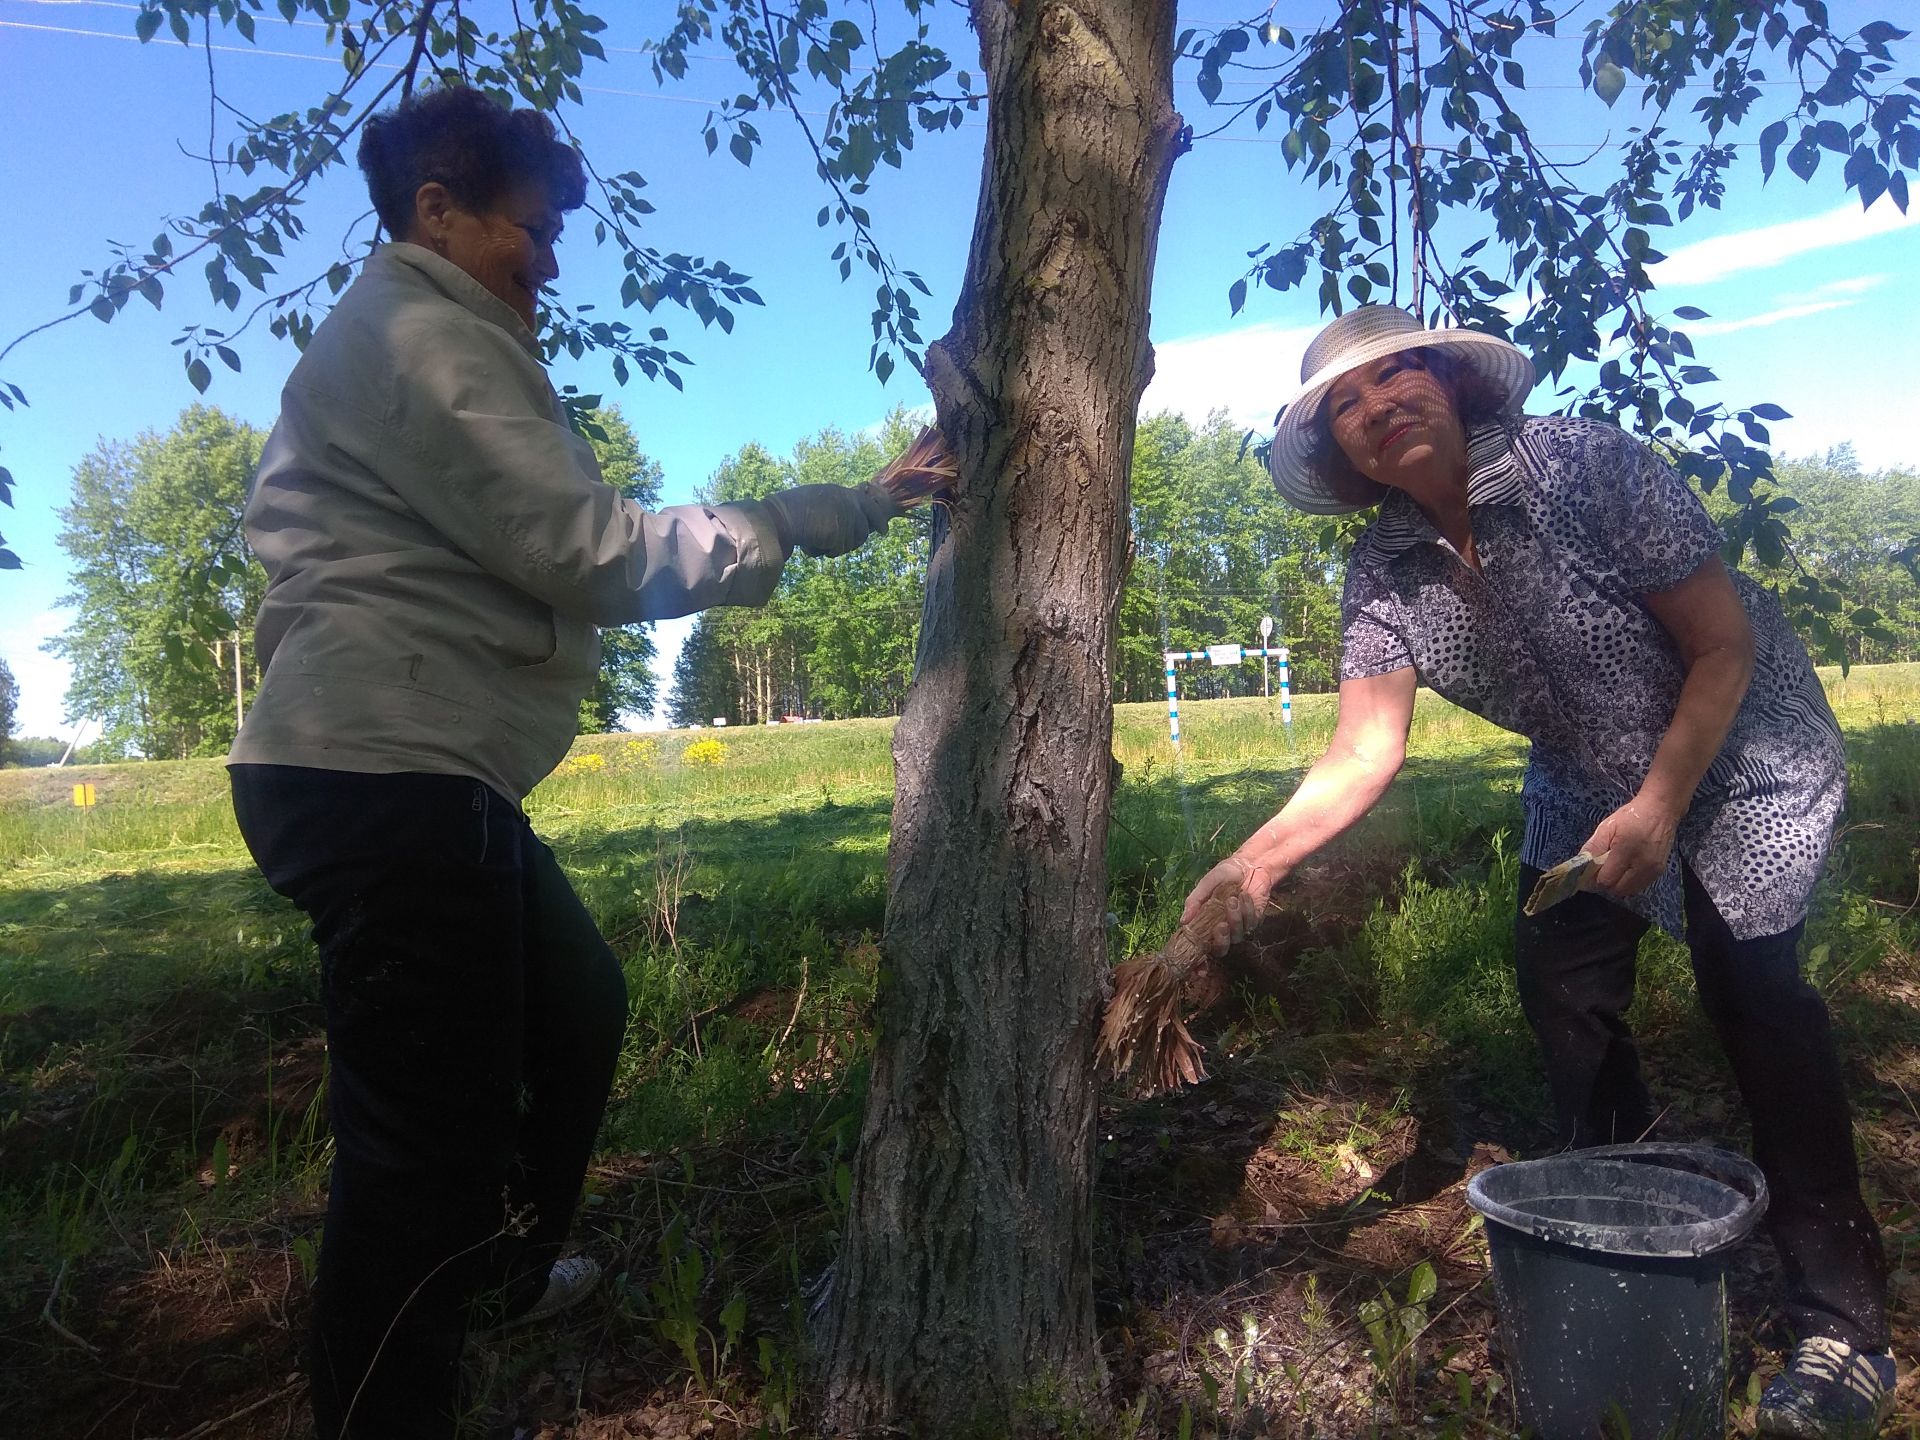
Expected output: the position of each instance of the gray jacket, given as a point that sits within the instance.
(440, 546)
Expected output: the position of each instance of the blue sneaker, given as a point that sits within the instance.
(1829, 1391)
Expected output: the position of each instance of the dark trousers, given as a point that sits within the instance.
(474, 1016)
(1576, 976)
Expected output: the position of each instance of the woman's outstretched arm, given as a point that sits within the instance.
(1369, 746)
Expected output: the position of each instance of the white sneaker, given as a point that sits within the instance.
(1829, 1391)
(570, 1281)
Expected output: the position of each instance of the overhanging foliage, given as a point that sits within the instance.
(1409, 116)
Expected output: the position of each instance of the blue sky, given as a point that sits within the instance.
(1813, 304)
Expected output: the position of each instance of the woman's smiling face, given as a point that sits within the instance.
(508, 249)
(1393, 418)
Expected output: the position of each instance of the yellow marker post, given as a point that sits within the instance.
(84, 800)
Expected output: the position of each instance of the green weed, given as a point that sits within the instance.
(1394, 1329)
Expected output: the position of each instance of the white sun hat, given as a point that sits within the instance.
(1359, 337)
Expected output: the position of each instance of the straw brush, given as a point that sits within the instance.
(924, 471)
(1143, 1041)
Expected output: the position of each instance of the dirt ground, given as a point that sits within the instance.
(1251, 1228)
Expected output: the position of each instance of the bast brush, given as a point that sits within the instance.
(1144, 1041)
(924, 471)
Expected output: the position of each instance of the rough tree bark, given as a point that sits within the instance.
(963, 1293)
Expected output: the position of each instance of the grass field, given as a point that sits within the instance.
(1272, 1235)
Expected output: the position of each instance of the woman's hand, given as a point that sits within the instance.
(1256, 881)
(1636, 839)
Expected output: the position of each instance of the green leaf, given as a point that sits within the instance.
(1804, 158)
(1209, 79)
(1422, 1284)
(147, 25)
(199, 375)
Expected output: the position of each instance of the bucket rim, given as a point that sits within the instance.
(1702, 1237)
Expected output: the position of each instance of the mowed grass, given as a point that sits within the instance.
(159, 1026)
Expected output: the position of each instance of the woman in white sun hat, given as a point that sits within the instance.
(1555, 577)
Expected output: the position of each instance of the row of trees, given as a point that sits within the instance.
(1214, 550)
(9, 710)
(152, 532)
(837, 637)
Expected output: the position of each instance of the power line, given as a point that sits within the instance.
(1228, 82)
(115, 35)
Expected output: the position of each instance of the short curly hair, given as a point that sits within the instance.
(1476, 400)
(476, 147)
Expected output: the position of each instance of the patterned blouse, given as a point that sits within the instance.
(1574, 521)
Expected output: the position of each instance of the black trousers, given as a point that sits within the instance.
(1576, 978)
(474, 1015)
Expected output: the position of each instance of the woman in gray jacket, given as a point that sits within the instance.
(440, 547)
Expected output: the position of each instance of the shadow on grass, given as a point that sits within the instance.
(1305, 1181)
(1273, 1201)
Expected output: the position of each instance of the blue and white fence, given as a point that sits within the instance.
(1219, 655)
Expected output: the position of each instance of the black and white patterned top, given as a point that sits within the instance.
(1574, 521)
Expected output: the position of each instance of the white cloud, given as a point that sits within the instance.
(41, 678)
(1700, 329)
(1847, 285)
(1839, 294)
(1247, 372)
(1706, 261)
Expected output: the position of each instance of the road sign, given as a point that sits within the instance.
(83, 796)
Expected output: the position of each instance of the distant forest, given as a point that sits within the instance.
(1214, 551)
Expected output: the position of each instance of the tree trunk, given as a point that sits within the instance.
(963, 1292)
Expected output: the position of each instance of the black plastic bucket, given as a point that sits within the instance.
(1609, 1270)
